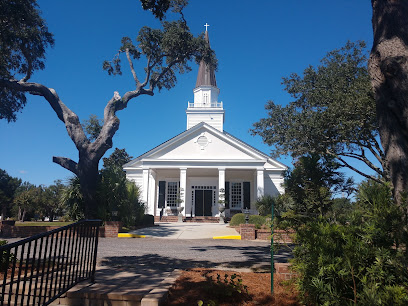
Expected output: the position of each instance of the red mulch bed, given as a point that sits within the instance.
(195, 285)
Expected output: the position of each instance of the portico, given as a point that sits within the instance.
(207, 186)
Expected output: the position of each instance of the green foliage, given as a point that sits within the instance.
(238, 219)
(333, 112)
(118, 194)
(259, 221)
(27, 201)
(51, 201)
(169, 51)
(8, 188)
(363, 261)
(340, 210)
(115, 194)
(112, 193)
(73, 199)
(4, 260)
(264, 205)
(160, 7)
(24, 38)
(281, 203)
(309, 188)
(92, 127)
(157, 7)
(118, 158)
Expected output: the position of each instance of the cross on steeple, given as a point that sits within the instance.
(206, 26)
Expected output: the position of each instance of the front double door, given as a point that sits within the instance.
(203, 202)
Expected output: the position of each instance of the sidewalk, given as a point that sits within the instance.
(165, 230)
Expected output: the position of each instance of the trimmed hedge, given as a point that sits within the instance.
(238, 219)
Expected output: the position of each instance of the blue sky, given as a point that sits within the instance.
(256, 42)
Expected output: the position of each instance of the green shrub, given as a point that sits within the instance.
(259, 221)
(264, 205)
(237, 219)
(3, 262)
(361, 262)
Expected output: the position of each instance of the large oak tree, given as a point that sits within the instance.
(333, 113)
(166, 51)
(388, 67)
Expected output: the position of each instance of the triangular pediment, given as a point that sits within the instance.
(203, 142)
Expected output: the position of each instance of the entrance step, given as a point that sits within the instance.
(203, 219)
(188, 219)
(167, 219)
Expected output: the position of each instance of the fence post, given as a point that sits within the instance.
(95, 253)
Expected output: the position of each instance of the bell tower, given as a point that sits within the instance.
(206, 107)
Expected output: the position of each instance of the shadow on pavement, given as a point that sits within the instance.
(157, 231)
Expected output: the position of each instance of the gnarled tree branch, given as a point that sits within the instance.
(345, 164)
(68, 117)
(66, 163)
(132, 69)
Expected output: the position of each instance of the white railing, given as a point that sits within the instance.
(205, 105)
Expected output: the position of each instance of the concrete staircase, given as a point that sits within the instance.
(125, 289)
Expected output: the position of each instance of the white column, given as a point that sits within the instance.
(145, 185)
(183, 186)
(259, 183)
(221, 186)
(151, 200)
(221, 179)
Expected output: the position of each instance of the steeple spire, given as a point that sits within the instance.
(206, 74)
(206, 107)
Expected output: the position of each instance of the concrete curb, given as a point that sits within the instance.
(158, 296)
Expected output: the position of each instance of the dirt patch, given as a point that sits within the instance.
(213, 287)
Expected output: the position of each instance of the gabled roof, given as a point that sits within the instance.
(206, 74)
(197, 130)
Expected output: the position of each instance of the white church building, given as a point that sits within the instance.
(204, 166)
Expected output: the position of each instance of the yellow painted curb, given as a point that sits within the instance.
(127, 235)
(236, 237)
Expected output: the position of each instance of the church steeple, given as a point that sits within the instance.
(206, 73)
(206, 107)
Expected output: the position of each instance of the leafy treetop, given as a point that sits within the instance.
(24, 38)
(333, 113)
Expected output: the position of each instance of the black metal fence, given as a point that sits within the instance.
(39, 269)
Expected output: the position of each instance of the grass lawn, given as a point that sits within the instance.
(43, 223)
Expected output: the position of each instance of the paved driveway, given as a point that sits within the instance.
(165, 230)
(167, 254)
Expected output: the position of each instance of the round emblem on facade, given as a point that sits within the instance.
(202, 141)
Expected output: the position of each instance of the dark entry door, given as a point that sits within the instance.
(203, 202)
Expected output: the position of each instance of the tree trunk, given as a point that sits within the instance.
(89, 178)
(388, 68)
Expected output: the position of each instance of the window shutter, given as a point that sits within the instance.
(247, 195)
(162, 194)
(227, 195)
